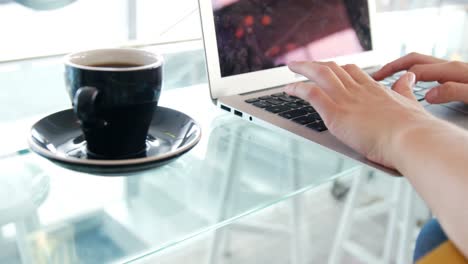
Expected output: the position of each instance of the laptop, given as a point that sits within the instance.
(249, 42)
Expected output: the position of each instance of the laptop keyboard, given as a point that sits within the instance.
(419, 90)
(301, 112)
(290, 107)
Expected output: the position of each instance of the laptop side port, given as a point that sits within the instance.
(238, 113)
(225, 108)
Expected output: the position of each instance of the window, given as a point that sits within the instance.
(83, 24)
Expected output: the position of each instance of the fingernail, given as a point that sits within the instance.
(432, 94)
(411, 78)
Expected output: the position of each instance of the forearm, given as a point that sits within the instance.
(433, 156)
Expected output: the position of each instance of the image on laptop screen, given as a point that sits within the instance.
(254, 35)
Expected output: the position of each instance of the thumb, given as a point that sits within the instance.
(448, 92)
(404, 85)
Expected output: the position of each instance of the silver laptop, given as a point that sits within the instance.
(248, 43)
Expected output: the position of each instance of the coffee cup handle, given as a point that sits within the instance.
(84, 104)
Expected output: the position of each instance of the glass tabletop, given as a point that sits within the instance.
(54, 215)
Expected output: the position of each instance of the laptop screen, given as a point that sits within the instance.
(254, 35)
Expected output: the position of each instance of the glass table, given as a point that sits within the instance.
(54, 214)
(244, 194)
(49, 214)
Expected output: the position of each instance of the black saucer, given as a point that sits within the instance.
(58, 137)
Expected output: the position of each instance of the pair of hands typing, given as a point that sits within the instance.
(369, 118)
(391, 128)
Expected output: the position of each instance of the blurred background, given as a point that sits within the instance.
(30, 31)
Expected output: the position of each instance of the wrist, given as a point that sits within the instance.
(418, 129)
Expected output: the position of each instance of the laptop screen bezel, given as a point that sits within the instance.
(263, 79)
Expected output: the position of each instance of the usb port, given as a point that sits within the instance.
(238, 113)
(226, 108)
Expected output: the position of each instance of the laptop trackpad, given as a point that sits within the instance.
(451, 114)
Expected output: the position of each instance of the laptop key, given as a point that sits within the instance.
(266, 97)
(287, 99)
(261, 104)
(304, 120)
(392, 79)
(317, 126)
(417, 88)
(294, 105)
(302, 102)
(274, 101)
(309, 109)
(277, 109)
(252, 100)
(293, 113)
(427, 85)
(423, 92)
(386, 83)
(419, 97)
(316, 116)
(278, 94)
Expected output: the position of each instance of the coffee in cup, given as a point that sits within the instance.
(114, 93)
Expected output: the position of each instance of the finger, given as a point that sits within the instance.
(344, 77)
(404, 85)
(357, 74)
(322, 75)
(441, 72)
(405, 63)
(448, 92)
(315, 96)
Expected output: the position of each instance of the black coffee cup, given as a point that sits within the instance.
(114, 93)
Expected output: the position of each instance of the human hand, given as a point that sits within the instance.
(359, 111)
(453, 76)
